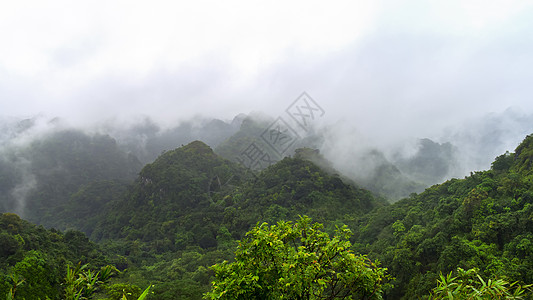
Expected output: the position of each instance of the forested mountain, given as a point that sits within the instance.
(178, 190)
(255, 129)
(430, 164)
(393, 176)
(39, 180)
(147, 140)
(370, 169)
(166, 223)
(483, 221)
(187, 209)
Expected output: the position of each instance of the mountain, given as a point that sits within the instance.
(483, 221)
(10, 128)
(186, 186)
(249, 132)
(167, 222)
(186, 210)
(255, 144)
(61, 177)
(371, 169)
(295, 187)
(479, 140)
(173, 194)
(430, 164)
(147, 140)
(37, 180)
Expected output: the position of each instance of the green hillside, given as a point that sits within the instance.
(483, 221)
(36, 259)
(174, 193)
(188, 210)
(40, 179)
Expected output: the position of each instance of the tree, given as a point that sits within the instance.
(297, 261)
(34, 278)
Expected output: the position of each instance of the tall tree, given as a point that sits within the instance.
(297, 261)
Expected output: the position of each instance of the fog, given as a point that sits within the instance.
(415, 65)
(386, 74)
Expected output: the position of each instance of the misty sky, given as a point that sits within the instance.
(385, 66)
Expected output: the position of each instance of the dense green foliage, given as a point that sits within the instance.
(295, 186)
(299, 261)
(469, 285)
(176, 193)
(483, 221)
(186, 211)
(36, 263)
(34, 260)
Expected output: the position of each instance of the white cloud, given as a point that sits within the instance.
(405, 61)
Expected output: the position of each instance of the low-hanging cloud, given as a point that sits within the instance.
(385, 73)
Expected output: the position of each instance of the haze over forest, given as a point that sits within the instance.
(385, 74)
(412, 163)
(381, 100)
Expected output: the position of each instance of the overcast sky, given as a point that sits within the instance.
(382, 65)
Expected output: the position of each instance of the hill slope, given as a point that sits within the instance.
(40, 257)
(186, 210)
(38, 180)
(484, 221)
